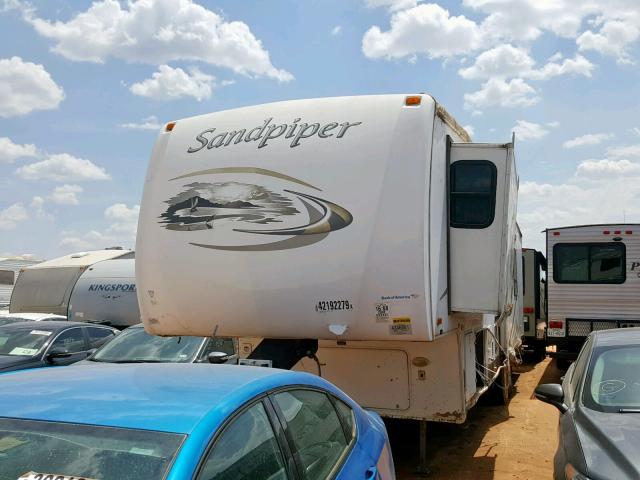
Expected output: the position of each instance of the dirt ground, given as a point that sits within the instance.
(517, 442)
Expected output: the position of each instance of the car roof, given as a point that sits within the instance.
(33, 315)
(52, 325)
(616, 336)
(163, 397)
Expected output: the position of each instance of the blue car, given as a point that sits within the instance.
(185, 421)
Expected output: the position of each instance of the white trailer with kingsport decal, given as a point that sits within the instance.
(593, 282)
(47, 287)
(368, 232)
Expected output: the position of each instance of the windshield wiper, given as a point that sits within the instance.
(629, 410)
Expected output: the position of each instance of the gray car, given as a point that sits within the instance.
(599, 403)
(34, 344)
(134, 345)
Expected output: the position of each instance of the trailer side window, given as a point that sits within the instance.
(589, 263)
(473, 193)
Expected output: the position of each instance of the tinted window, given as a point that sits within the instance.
(578, 369)
(98, 336)
(613, 380)
(22, 341)
(348, 418)
(246, 450)
(69, 341)
(589, 263)
(87, 451)
(473, 193)
(313, 427)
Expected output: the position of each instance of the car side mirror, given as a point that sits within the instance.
(552, 394)
(219, 357)
(56, 354)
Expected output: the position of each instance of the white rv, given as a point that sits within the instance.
(369, 228)
(593, 282)
(47, 287)
(106, 293)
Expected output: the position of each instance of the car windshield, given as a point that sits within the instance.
(613, 379)
(8, 320)
(83, 451)
(17, 340)
(136, 345)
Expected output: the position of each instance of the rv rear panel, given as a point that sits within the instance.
(300, 219)
(593, 279)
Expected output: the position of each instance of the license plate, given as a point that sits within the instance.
(556, 332)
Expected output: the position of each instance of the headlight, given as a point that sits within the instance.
(570, 473)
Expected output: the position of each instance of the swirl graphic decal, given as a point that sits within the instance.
(233, 212)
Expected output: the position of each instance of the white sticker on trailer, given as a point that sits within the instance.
(556, 332)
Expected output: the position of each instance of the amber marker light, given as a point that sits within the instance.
(413, 101)
(169, 126)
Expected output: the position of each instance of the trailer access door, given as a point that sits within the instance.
(482, 178)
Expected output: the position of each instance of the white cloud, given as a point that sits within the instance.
(37, 203)
(498, 92)
(529, 131)
(470, 130)
(337, 30)
(615, 28)
(156, 32)
(553, 124)
(120, 232)
(578, 201)
(607, 168)
(506, 61)
(588, 139)
(12, 215)
(25, 87)
(624, 151)
(149, 123)
(62, 167)
(66, 194)
(392, 5)
(425, 29)
(173, 83)
(636, 130)
(613, 39)
(9, 151)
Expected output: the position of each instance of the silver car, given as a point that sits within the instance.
(599, 403)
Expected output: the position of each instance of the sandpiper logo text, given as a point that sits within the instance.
(294, 132)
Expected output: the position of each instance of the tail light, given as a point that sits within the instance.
(556, 324)
(527, 310)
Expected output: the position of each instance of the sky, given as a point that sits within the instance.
(86, 86)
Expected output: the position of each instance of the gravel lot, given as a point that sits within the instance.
(497, 442)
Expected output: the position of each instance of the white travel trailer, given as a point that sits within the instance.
(593, 282)
(47, 287)
(369, 228)
(106, 293)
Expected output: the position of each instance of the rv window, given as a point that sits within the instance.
(589, 263)
(473, 193)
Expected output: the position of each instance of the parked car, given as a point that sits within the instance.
(177, 421)
(599, 403)
(134, 345)
(51, 343)
(6, 318)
